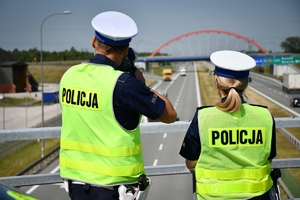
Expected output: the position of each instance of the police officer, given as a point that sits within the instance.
(231, 145)
(101, 112)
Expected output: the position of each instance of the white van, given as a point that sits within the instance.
(183, 72)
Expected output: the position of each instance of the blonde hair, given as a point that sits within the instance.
(233, 88)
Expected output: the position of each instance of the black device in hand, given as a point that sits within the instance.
(127, 64)
(143, 182)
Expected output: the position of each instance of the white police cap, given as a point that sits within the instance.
(232, 64)
(114, 28)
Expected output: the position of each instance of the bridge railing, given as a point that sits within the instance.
(146, 128)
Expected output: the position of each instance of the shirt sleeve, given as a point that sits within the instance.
(191, 146)
(138, 98)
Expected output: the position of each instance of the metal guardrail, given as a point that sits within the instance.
(146, 128)
(161, 170)
(290, 137)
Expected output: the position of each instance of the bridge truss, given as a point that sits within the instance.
(204, 42)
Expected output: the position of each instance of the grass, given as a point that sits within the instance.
(8, 101)
(15, 162)
(50, 75)
(53, 75)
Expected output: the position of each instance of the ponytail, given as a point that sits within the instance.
(233, 88)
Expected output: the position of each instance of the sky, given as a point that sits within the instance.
(267, 22)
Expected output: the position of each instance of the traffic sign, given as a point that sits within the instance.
(258, 60)
(296, 60)
(277, 60)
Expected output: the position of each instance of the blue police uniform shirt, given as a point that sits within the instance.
(131, 97)
(191, 146)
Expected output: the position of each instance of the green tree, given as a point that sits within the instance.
(33, 55)
(291, 45)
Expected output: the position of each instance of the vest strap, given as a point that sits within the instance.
(233, 187)
(102, 169)
(234, 174)
(101, 150)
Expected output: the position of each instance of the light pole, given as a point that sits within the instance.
(42, 74)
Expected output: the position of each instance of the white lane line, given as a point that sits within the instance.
(32, 189)
(36, 186)
(54, 170)
(160, 147)
(197, 85)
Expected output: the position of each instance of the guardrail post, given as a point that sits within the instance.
(194, 185)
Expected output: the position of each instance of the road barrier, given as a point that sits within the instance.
(146, 128)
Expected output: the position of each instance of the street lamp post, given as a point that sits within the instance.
(42, 74)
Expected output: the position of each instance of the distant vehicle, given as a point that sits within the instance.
(11, 193)
(183, 72)
(295, 102)
(167, 74)
(291, 82)
(249, 79)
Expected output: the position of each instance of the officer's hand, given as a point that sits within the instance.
(123, 195)
(139, 75)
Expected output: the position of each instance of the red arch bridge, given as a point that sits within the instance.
(198, 45)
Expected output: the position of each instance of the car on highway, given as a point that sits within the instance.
(11, 193)
(183, 72)
(295, 102)
(249, 79)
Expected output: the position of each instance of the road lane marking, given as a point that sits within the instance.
(160, 147)
(36, 186)
(155, 162)
(32, 189)
(165, 135)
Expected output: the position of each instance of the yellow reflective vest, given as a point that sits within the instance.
(94, 148)
(235, 148)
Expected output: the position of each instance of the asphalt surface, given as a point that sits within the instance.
(26, 115)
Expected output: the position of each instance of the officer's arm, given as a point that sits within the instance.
(169, 115)
(190, 164)
(139, 75)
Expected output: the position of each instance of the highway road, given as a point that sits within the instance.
(272, 89)
(163, 149)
